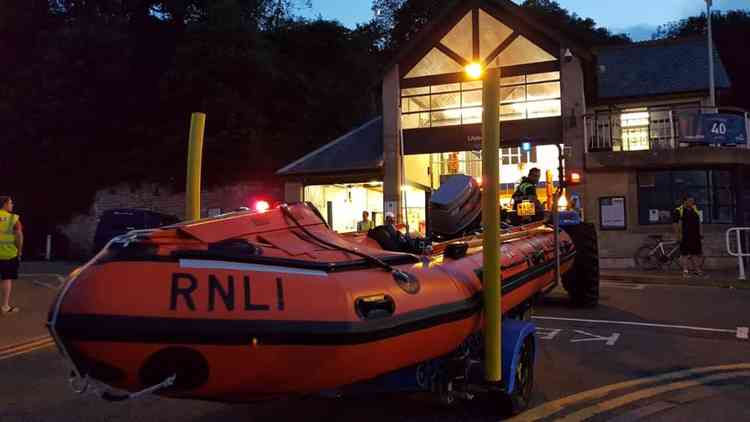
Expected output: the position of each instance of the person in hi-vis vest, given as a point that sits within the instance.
(11, 249)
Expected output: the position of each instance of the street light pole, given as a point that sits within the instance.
(711, 82)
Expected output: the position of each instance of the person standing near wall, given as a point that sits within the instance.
(11, 249)
(689, 231)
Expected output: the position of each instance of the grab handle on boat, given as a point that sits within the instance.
(376, 306)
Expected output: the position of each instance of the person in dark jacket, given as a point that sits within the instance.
(526, 191)
(527, 188)
(689, 231)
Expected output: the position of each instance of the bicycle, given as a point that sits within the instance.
(660, 255)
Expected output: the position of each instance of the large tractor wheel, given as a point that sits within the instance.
(582, 281)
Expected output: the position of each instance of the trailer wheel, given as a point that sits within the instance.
(518, 400)
(582, 281)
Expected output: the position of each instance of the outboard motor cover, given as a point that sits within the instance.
(456, 206)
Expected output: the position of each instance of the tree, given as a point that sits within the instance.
(730, 31)
(99, 92)
(583, 30)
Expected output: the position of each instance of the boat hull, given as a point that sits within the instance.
(254, 327)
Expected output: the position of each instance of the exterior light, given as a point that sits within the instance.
(526, 146)
(478, 179)
(575, 178)
(474, 70)
(262, 206)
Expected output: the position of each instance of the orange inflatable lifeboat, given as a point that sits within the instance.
(249, 306)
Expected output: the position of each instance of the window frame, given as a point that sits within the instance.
(709, 208)
(472, 88)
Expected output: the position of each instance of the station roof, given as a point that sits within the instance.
(656, 68)
(359, 150)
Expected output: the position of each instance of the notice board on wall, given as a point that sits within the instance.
(612, 214)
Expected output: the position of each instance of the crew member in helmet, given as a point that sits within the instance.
(527, 188)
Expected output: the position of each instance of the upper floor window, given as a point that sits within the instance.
(530, 96)
(521, 97)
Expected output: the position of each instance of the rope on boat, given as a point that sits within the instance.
(81, 385)
(377, 261)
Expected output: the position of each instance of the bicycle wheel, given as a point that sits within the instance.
(645, 259)
(674, 259)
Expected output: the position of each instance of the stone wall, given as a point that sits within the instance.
(81, 228)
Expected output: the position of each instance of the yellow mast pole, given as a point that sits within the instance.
(491, 223)
(195, 157)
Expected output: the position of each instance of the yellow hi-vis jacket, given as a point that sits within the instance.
(8, 249)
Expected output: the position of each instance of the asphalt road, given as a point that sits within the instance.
(663, 342)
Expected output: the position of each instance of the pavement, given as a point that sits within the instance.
(33, 293)
(714, 278)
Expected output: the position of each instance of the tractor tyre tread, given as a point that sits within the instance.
(582, 281)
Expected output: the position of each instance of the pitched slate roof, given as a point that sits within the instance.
(360, 149)
(657, 68)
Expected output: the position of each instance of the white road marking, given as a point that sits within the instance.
(47, 285)
(641, 324)
(742, 332)
(60, 279)
(547, 333)
(238, 266)
(543, 333)
(611, 340)
(627, 286)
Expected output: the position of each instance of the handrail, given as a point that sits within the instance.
(740, 254)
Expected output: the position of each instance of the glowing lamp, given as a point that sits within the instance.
(262, 206)
(526, 146)
(478, 179)
(575, 178)
(474, 70)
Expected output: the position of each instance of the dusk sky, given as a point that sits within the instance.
(637, 18)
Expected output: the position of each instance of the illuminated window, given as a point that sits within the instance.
(459, 38)
(491, 33)
(521, 51)
(441, 105)
(516, 156)
(530, 96)
(434, 63)
(521, 97)
(635, 130)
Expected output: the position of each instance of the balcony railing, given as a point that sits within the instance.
(649, 128)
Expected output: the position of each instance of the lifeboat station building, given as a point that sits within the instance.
(635, 121)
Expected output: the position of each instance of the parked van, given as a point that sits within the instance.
(120, 221)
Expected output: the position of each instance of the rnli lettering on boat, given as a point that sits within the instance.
(222, 292)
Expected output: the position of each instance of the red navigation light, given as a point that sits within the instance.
(262, 206)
